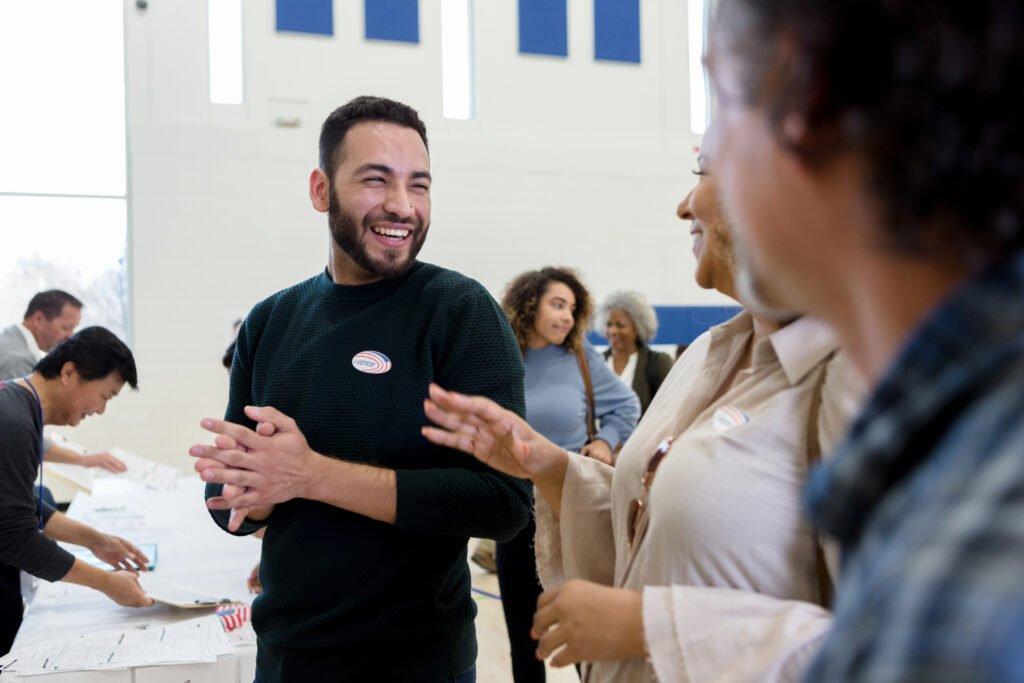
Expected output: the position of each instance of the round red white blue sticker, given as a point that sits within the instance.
(729, 417)
(371, 362)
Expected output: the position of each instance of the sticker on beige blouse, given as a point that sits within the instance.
(729, 417)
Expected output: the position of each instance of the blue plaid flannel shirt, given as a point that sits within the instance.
(926, 498)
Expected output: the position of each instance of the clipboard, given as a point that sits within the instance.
(74, 476)
(181, 597)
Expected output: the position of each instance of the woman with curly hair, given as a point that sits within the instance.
(568, 389)
(630, 323)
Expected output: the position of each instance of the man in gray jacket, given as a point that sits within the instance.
(51, 317)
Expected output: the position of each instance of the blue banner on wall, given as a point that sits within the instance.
(543, 27)
(682, 324)
(397, 20)
(617, 30)
(305, 16)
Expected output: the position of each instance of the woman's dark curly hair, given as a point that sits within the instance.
(929, 91)
(523, 295)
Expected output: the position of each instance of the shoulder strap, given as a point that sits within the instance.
(825, 585)
(651, 371)
(588, 385)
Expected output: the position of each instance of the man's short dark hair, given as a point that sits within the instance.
(365, 108)
(928, 91)
(51, 303)
(96, 353)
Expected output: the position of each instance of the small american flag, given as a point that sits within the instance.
(233, 616)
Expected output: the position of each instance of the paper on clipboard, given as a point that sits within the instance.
(151, 474)
(179, 596)
(77, 477)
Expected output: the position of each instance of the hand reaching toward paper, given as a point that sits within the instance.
(120, 586)
(124, 589)
(119, 553)
(68, 454)
(105, 460)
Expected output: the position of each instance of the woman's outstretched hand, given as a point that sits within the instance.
(496, 437)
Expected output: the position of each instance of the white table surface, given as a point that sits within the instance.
(192, 551)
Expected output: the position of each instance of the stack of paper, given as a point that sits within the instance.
(77, 477)
(196, 640)
(142, 470)
(112, 517)
(150, 473)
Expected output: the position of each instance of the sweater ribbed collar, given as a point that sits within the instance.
(364, 293)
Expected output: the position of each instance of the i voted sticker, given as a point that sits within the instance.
(371, 362)
(729, 417)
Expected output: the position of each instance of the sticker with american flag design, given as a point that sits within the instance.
(234, 616)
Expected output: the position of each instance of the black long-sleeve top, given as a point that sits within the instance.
(351, 364)
(22, 544)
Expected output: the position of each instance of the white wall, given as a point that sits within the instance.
(569, 161)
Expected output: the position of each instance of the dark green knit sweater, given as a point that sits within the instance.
(346, 597)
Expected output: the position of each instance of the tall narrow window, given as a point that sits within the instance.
(226, 51)
(457, 58)
(63, 190)
(697, 23)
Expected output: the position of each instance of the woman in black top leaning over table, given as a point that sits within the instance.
(73, 381)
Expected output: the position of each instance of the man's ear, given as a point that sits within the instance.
(68, 371)
(319, 190)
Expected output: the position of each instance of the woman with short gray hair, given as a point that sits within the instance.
(630, 323)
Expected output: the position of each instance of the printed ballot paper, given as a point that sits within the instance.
(152, 474)
(195, 640)
(148, 473)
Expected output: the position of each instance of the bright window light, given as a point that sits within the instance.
(62, 119)
(696, 22)
(72, 243)
(226, 51)
(457, 58)
(63, 190)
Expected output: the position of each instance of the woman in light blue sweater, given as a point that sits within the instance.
(550, 310)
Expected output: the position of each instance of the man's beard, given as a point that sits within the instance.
(351, 238)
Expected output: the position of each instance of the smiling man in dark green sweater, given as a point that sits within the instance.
(364, 559)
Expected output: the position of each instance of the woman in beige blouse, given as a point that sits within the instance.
(717, 577)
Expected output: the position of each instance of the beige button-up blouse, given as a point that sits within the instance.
(728, 566)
